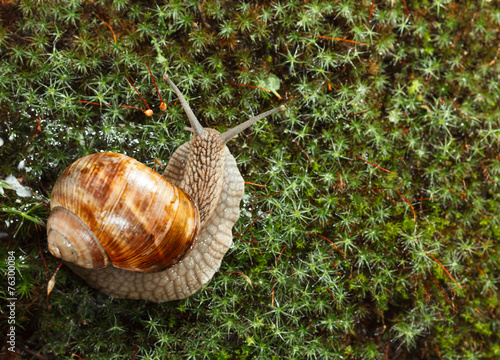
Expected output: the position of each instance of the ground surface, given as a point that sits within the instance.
(380, 226)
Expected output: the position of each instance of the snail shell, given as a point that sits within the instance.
(139, 220)
(132, 233)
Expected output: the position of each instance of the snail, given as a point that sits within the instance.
(133, 233)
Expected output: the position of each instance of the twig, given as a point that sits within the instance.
(252, 243)
(301, 149)
(442, 267)
(378, 188)
(98, 104)
(249, 183)
(409, 203)
(34, 354)
(492, 62)
(135, 352)
(109, 26)
(250, 86)
(20, 37)
(163, 104)
(131, 83)
(362, 112)
(406, 7)
(366, 161)
(371, 11)
(331, 242)
(339, 39)
(277, 192)
(321, 236)
(470, 117)
(253, 222)
(247, 279)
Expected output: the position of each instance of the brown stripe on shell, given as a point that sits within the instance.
(143, 221)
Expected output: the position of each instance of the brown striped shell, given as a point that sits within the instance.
(108, 208)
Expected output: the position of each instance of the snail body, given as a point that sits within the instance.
(132, 233)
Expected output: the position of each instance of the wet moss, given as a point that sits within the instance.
(381, 233)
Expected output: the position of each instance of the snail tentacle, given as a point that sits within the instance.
(195, 124)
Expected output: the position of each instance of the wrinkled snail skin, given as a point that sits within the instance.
(132, 233)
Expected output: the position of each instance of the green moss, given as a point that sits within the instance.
(382, 172)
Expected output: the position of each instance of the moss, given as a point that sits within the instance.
(382, 225)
